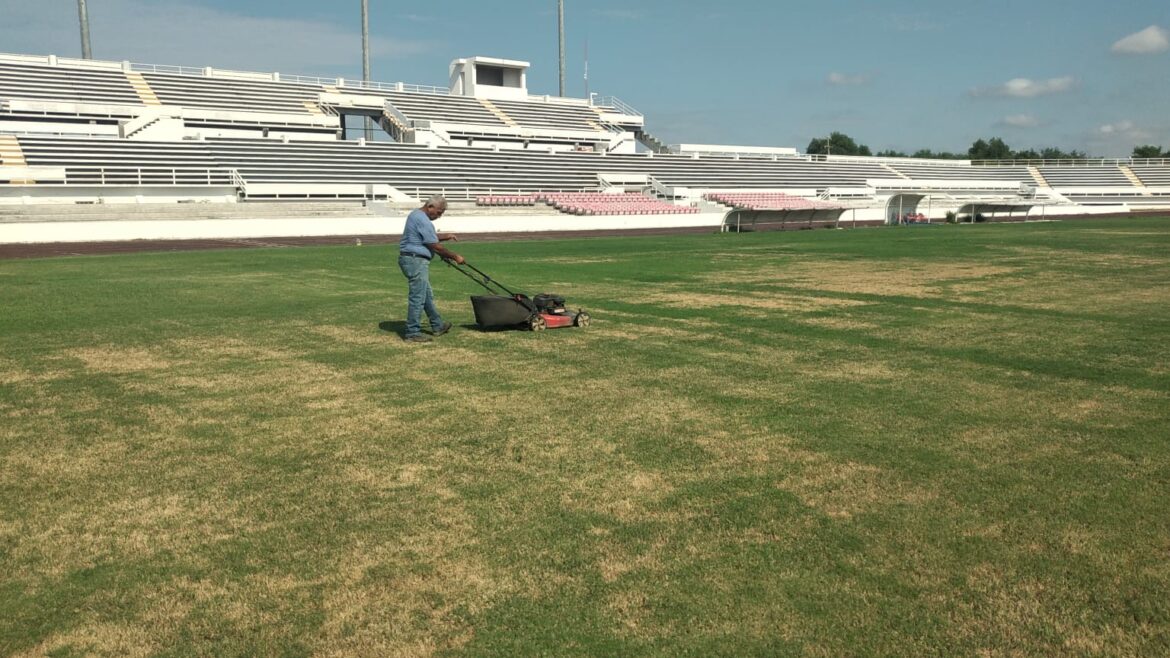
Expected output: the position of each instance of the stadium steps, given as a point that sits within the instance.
(95, 212)
(651, 142)
(1133, 178)
(490, 107)
(1038, 177)
(894, 171)
(142, 88)
(11, 155)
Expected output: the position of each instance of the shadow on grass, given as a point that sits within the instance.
(393, 327)
(399, 327)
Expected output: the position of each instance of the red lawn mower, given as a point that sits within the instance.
(514, 310)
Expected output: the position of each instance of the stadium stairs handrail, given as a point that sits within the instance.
(1073, 162)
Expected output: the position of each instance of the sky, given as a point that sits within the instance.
(896, 74)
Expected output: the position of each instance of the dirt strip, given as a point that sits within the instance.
(57, 249)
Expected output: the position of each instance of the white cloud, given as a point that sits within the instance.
(1151, 40)
(1020, 121)
(1119, 128)
(846, 80)
(171, 32)
(1027, 88)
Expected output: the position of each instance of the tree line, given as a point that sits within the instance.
(995, 148)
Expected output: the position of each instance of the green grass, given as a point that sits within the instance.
(897, 442)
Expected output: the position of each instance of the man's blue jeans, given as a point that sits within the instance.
(419, 297)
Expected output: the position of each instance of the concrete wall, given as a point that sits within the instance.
(178, 229)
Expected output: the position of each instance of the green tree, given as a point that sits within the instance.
(1149, 151)
(993, 149)
(891, 153)
(1053, 153)
(838, 143)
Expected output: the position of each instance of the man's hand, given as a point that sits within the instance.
(459, 260)
(443, 237)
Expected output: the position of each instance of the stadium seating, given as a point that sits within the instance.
(506, 200)
(234, 95)
(768, 201)
(75, 122)
(459, 172)
(1153, 175)
(50, 83)
(1085, 176)
(599, 203)
(961, 172)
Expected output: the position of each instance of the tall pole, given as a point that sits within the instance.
(561, 40)
(83, 15)
(366, 56)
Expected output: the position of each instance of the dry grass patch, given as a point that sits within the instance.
(99, 639)
(839, 489)
(839, 322)
(351, 335)
(569, 260)
(771, 302)
(116, 360)
(403, 596)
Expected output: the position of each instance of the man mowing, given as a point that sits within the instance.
(419, 245)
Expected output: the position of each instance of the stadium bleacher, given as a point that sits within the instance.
(962, 172)
(600, 203)
(76, 126)
(1153, 174)
(1085, 176)
(768, 201)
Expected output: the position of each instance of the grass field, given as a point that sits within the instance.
(896, 442)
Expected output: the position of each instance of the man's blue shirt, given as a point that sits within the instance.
(418, 233)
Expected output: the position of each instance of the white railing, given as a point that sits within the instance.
(1077, 162)
(395, 86)
(239, 181)
(167, 68)
(156, 176)
(617, 104)
(422, 89)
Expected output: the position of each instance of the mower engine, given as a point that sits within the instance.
(551, 314)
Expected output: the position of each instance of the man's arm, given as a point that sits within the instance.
(445, 253)
(443, 237)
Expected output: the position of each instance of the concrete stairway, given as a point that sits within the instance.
(1034, 172)
(1133, 178)
(653, 143)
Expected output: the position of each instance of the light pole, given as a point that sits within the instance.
(366, 57)
(561, 40)
(83, 15)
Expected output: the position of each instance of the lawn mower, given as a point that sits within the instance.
(504, 308)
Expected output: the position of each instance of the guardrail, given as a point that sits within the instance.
(1073, 162)
(617, 104)
(153, 176)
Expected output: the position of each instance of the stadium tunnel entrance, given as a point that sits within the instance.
(902, 207)
(977, 211)
(743, 221)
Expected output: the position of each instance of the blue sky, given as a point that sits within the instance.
(902, 74)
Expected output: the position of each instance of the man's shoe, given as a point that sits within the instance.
(443, 329)
(417, 338)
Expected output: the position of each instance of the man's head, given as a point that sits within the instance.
(435, 207)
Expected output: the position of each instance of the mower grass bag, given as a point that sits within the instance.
(499, 311)
(545, 311)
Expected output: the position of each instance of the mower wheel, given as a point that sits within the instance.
(536, 323)
(582, 319)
